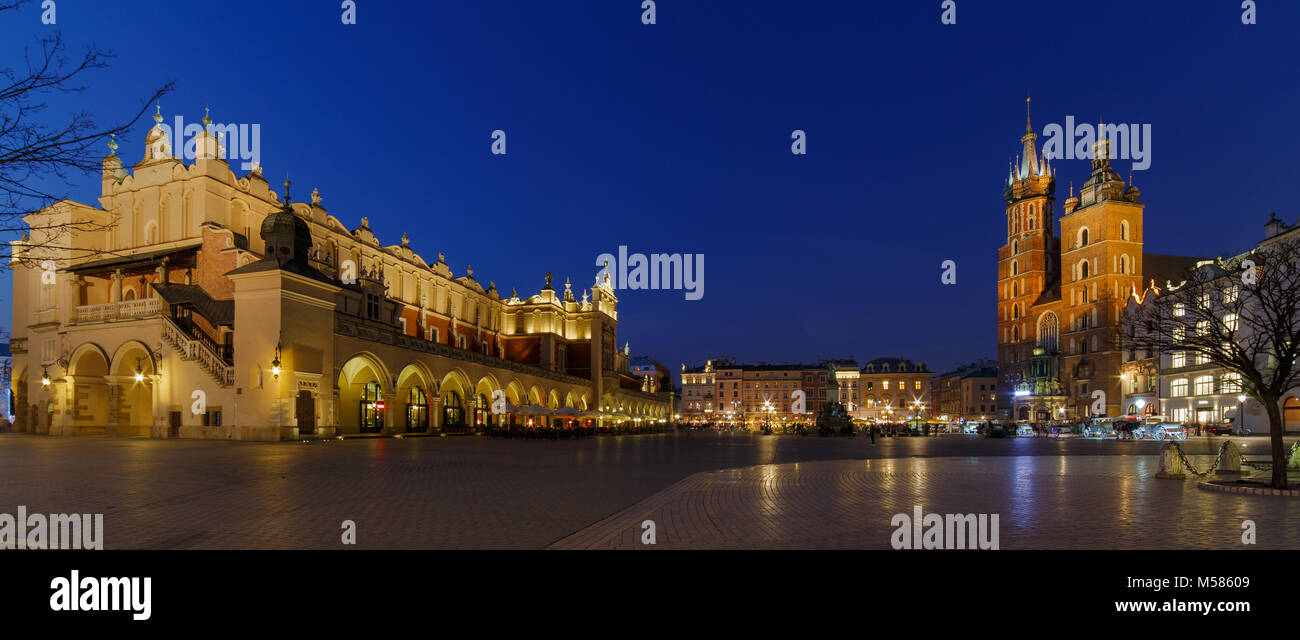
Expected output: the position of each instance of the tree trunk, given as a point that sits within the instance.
(1276, 427)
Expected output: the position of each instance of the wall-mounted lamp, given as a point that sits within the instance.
(45, 377)
(275, 364)
(139, 373)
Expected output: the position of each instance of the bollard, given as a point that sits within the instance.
(1229, 459)
(1171, 463)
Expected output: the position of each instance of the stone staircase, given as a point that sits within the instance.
(204, 356)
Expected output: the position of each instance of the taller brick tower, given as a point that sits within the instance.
(1028, 264)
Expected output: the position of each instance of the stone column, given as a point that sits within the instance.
(115, 393)
(334, 405)
(389, 409)
(74, 295)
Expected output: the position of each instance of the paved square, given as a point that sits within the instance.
(704, 490)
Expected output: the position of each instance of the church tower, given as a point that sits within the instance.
(1028, 264)
(1101, 261)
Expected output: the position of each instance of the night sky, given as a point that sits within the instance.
(675, 137)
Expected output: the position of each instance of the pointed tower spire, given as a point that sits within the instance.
(1029, 128)
(1029, 166)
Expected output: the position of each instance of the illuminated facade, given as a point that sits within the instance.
(1060, 299)
(883, 389)
(196, 303)
(1184, 387)
(967, 393)
(893, 390)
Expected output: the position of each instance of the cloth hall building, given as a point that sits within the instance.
(192, 302)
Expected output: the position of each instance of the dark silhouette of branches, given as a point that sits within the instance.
(41, 154)
(1241, 315)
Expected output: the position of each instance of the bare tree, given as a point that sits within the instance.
(38, 157)
(1241, 315)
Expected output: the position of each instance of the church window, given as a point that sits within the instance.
(1123, 229)
(1083, 237)
(1047, 331)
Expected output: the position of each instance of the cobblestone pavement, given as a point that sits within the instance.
(468, 492)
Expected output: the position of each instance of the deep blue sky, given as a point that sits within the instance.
(676, 138)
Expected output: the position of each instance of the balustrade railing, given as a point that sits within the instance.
(126, 310)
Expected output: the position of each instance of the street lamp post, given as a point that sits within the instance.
(1241, 414)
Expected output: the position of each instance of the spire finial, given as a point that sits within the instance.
(157, 116)
(112, 144)
(207, 121)
(286, 190)
(1028, 128)
(1071, 188)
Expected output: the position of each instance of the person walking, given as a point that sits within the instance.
(872, 430)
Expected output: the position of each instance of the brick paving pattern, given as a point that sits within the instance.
(703, 490)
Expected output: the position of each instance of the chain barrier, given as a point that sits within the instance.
(1218, 459)
(1187, 464)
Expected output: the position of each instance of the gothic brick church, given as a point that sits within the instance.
(1060, 296)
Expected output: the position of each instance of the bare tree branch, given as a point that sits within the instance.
(1241, 315)
(34, 152)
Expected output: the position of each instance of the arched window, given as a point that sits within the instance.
(372, 412)
(1083, 237)
(417, 410)
(1204, 385)
(1015, 247)
(1015, 268)
(1083, 270)
(481, 410)
(1048, 330)
(1123, 264)
(453, 414)
(1123, 229)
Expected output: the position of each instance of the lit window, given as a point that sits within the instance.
(1204, 385)
(1178, 359)
(1230, 294)
(1231, 383)
(1180, 309)
(1178, 388)
(1230, 322)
